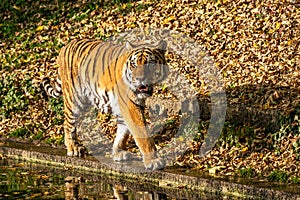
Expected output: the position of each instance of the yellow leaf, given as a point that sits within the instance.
(132, 25)
(218, 3)
(245, 149)
(54, 27)
(133, 19)
(167, 20)
(290, 42)
(39, 28)
(277, 26)
(180, 139)
(272, 30)
(171, 18)
(44, 177)
(164, 87)
(17, 8)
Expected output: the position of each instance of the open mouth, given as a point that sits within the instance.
(145, 89)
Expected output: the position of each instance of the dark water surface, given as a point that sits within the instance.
(24, 180)
(28, 180)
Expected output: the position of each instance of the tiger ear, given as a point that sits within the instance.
(161, 46)
(129, 46)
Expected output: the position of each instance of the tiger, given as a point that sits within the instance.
(115, 79)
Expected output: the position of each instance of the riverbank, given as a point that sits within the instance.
(175, 179)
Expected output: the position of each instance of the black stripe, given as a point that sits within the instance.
(127, 74)
(69, 118)
(50, 89)
(105, 96)
(104, 59)
(115, 64)
(137, 105)
(109, 71)
(160, 56)
(120, 121)
(114, 69)
(87, 71)
(95, 59)
(112, 53)
(120, 96)
(94, 45)
(95, 86)
(69, 54)
(67, 104)
(69, 115)
(82, 47)
(58, 87)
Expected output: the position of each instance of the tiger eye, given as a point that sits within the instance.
(133, 65)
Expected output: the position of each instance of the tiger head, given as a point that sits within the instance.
(145, 66)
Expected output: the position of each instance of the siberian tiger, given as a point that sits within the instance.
(113, 78)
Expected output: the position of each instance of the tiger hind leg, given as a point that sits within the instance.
(119, 146)
(72, 115)
(71, 138)
(71, 142)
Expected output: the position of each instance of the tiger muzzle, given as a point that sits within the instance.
(145, 89)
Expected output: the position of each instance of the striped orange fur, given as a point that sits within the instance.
(114, 78)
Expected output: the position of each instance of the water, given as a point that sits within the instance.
(22, 180)
(25, 180)
(17, 181)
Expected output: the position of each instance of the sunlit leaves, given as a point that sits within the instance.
(255, 44)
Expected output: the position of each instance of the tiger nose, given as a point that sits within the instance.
(141, 79)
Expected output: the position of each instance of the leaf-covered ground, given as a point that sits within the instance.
(254, 44)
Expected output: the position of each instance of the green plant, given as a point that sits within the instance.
(12, 95)
(170, 121)
(58, 140)
(57, 105)
(50, 141)
(289, 125)
(38, 136)
(57, 121)
(278, 176)
(236, 136)
(202, 129)
(20, 132)
(295, 180)
(246, 172)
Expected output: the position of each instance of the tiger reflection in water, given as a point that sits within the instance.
(75, 189)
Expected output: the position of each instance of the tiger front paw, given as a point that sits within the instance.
(121, 155)
(152, 162)
(74, 150)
